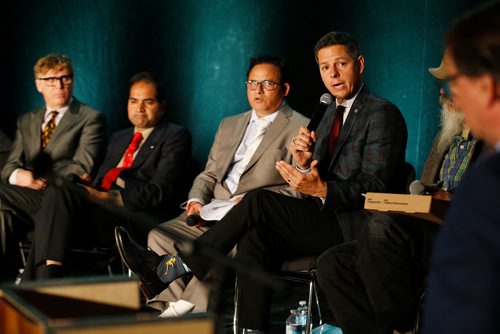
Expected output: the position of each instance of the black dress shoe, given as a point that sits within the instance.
(140, 261)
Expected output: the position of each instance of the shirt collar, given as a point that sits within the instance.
(61, 110)
(348, 103)
(145, 133)
(271, 117)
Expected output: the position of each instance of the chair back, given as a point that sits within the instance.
(406, 176)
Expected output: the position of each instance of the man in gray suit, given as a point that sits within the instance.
(228, 175)
(64, 130)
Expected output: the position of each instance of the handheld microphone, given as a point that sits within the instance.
(324, 101)
(196, 220)
(417, 187)
(42, 165)
(193, 220)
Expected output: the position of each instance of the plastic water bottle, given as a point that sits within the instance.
(302, 313)
(291, 323)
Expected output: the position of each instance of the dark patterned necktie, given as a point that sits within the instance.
(335, 132)
(49, 128)
(128, 159)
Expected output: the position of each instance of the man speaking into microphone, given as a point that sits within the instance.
(374, 285)
(359, 146)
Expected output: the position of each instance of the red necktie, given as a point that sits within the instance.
(335, 132)
(128, 159)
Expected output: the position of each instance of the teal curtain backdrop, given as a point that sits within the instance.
(200, 48)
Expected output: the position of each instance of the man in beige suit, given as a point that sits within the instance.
(240, 160)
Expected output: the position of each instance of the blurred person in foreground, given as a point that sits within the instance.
(463, 285)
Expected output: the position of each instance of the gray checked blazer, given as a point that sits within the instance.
(369, 152)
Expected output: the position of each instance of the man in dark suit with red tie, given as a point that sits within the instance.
(145, 169)
(269, 228)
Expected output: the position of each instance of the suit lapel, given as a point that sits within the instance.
(149, 145)
(323, 132)
(65, 123)
(345, 132)
(115, 150)
(36, 129)
(274, 130)
(118, 149)
(234, 137)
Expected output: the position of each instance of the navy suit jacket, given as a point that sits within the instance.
(367, 157)
(463, 294)
(160, 171)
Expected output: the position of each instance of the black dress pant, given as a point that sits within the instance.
(268, 228)
(19, 198)
(374, 285)
(17, 204)
(68, 219)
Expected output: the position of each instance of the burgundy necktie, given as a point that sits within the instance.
(335, 132)
(128, 159)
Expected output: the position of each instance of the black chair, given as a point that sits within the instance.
(14, 227)
(5, 144)
(19, 227)
(407, 175)
(300, 270)
(303, 270)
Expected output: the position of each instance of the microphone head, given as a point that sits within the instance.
(417, 188)
(42, 165)
(193, 220)
(326, 99)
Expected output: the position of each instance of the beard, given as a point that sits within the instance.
(452, 123)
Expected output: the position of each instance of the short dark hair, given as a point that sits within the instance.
(474, 41)
(274, 60)
(149, 78)
(338, 38)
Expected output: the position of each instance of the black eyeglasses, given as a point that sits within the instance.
(53, 81)
(265, 84)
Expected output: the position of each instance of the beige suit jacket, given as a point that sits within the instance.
(260, 171)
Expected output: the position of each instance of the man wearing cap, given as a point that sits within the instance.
(374, 285)
(463, 294)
